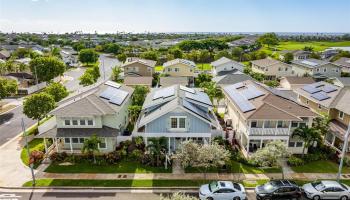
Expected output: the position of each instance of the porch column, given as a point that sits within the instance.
(71, 145)
(261, 142)
(333, 140)
(247, 146)
(168, 144)
(146, 141)
(45, 145)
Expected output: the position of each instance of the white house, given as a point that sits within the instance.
(225, 65)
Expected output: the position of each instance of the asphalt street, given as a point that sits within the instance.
(10, 122)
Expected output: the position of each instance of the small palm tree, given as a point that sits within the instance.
(308, 135)
(91, 146)
(213, 91)
(157, 147)
(134, 112)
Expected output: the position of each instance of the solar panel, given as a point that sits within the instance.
(186, 89)
(241, 102)
(329, 89)
(309, 63)
(108, 92)
(311, 89)
(163, 93)
(320, 96)
(238, 85)
(199, 97)
(113, 84)
(194, 109)
(251, 92)
(119, 97)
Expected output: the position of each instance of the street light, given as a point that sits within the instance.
(345, 146)
(28, 152)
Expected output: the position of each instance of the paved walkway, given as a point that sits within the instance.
(12, 171)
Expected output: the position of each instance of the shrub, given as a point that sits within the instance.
(147, 159)
(113, 157)
(136, 155)
(36, 157)
(295, 161)
(58, 157)
(139, 142)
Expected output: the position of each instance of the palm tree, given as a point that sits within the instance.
(157, 147)
(134, 112)
(91, 146)
(213, 91)
(308, 135)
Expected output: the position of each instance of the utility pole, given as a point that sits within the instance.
(36, 78)
(28, 152)
(103, 68)
(345, 146)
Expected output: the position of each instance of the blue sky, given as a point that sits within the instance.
(175, 15)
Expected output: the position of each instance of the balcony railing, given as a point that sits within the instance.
(269, 131)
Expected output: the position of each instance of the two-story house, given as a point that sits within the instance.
(178, 113)
(138, 67)
(325, 98)
(102, 110)
(344, 63)
(180, 68)
(297, 54)
(319, 69)
(257, 116)
(226, 65)
(272, 68)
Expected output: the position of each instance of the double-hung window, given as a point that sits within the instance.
(102, 144)
(341, 115)
(178, 123)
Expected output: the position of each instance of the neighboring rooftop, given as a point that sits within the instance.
(257, 102)
(139, 80)
(131, 60)
(295, 80)
(265, 62)
(343, 62)
(179, 61)
(224, 60)
(106, 98)
(310, 63)
(166, 81)
(231, 78)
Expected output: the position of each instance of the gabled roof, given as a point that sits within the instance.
(295, 80)
(91, 104)
(266, 105)
(188, 100)
(224, 60)
(232, 78)
(311, 63)
(265, 62)
(135, 80)
(166, 81)
(343, 62)
(181, 61)
(132, 60)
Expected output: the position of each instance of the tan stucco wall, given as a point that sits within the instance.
(184, 70)
(273, 70)
(143, 70)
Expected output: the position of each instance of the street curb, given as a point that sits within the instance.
(110, 188)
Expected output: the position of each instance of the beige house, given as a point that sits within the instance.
(323, 97)
(297, 54)
(344, 63)
(179, 67)
(138, 67)
(294, 82)
(272, 68)
(257, 116)
(102, 110)
(318, 69)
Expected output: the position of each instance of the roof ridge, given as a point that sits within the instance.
(282, 110)
(96, 106)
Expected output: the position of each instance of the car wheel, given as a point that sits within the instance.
(316, 197)
(210, 198)
(237, 198)
(344, 198)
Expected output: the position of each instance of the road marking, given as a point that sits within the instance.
(9, 197)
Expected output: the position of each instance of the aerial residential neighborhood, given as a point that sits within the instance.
(174, 100)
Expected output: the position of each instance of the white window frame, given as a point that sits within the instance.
(69, 120)
(105, 141)
(325, 70)
(178, 123)
(341, 115)
(87, 122)
(177, 69)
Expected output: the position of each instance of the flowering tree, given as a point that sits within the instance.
(270, 154)
(203, 157)
(178, 196)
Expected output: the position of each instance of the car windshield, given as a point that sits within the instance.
(213, 186)
(269, 187)
(318, 186)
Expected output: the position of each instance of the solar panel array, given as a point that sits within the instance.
(164, 93)
(309, 63)
(199, 97)
(194, 109)
(241, 101)
(186, 89)
(114, 95)
(251, 92)
(320, 90)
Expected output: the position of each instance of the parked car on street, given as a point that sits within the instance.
(278, 189)
(222, 190)
(326, 190)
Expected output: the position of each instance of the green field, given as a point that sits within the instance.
(158, 68)
(322, 166)
(204, 66)
(292, 45)
(121, 167)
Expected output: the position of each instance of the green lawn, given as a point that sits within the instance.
(318, 46)
(204, 66)
(159, 68)
(35, 144)
(237, 167)
(122, 167)
(322, 166)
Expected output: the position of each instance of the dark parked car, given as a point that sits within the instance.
(278, 189)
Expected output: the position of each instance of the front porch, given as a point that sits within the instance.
(335, 137)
